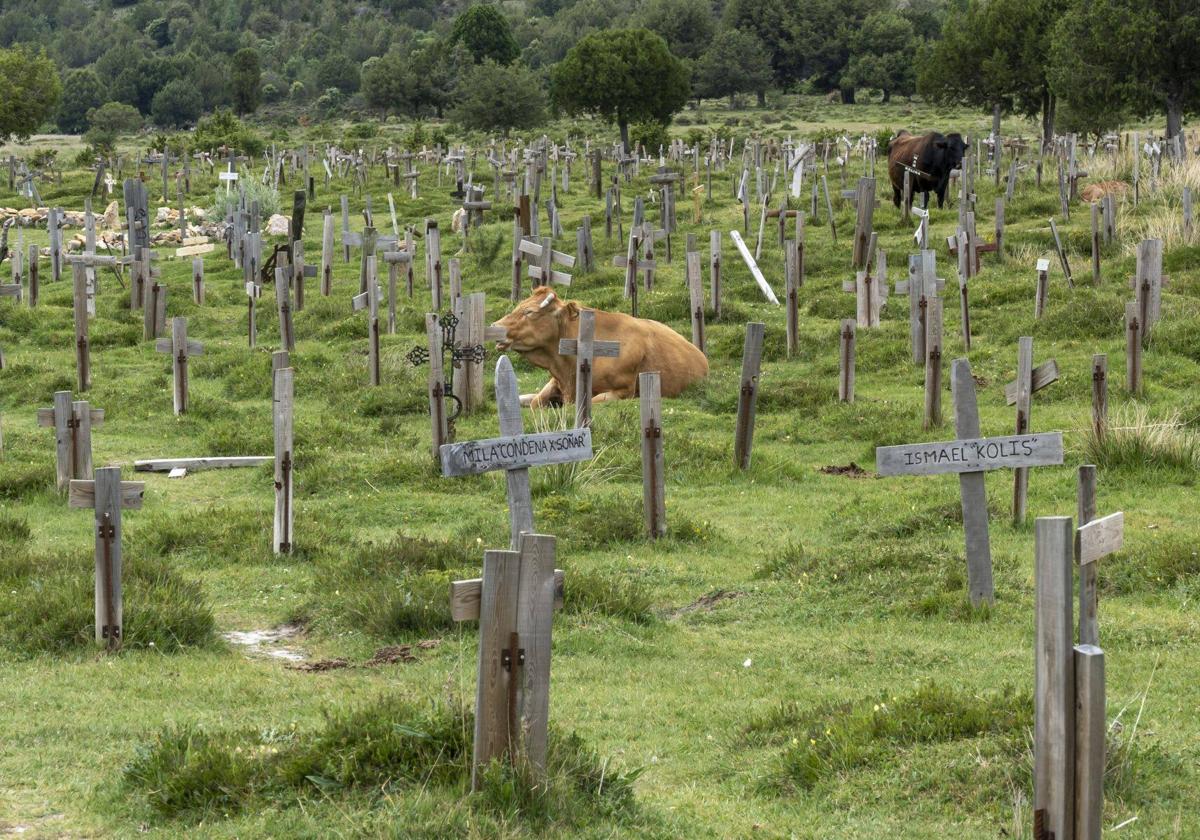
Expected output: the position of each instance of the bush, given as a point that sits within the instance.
(222, 128)
(225, 202)
(650, 134)
(362, 131)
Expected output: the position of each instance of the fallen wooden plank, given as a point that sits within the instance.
(193, 250)
(168, 464)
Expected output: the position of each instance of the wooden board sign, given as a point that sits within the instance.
(1100, 537)
(975, 455)
(506, 453)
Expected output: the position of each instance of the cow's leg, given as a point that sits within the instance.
(941, 195)
(925, 200)
(895, 195)
(549, 396)
(616, 394)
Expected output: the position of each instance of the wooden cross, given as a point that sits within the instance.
(1094, 540)
(108, 495)
(1021, 391)
(970, 456)
(783, 214)
(393, 260)
(923, 284)
(180, 350)
(369, 300)
(546, 256)
(585, 348)
(514, 603)
(632, 265)
(72, 423)
(283, 540)
(649, 235)
(870, 287)
(515, 452)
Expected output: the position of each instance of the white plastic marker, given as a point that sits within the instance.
(753, 266)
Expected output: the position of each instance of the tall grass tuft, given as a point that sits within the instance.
(1134, 441)
(574, 475)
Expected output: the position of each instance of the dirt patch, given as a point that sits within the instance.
(320, 665)
(851, 470)
(393, 654)
(708, 602)
(267, 643)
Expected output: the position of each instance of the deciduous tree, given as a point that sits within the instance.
(29, 91)
(624, 75)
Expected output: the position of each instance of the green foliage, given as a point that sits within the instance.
(650, 135)
(882, 51)
(735, 62)
(29, 91)
(829, 741)
(339, 72)
(47, 602)
(486, 34)
(244, 80)
(393, 744)
(994, 54)
(686, 25)
(82, 91)
(176, 105)
(616, 594)
(223, 129)
(606, 74)
(115, 118)
(495, 97)
(267, 197)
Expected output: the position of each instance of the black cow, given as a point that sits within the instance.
(929, 158)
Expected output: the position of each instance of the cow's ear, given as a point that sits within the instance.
(939, 144)
(571, 308)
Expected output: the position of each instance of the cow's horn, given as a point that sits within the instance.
(546, 301)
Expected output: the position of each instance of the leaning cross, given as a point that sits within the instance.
(515, 452)
(109, 496)
(545, 257)
(180, 350)
(970, 457)
(73, 423)
(585, 348)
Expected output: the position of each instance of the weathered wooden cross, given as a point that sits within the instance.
(545, 256)
(515, 452)
(514, 603)
(970, 457)
(585, 349)
(1020, 392)
(108, 495)
(72, 423)
(180, 350)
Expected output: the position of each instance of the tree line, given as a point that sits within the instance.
(108, 65)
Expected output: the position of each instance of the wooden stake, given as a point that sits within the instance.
(1099, 395)
(83, 354)
(1133, 349)
(283, 540)
(714, 270)
(696, 299)
(748, 394)
(933, 364)
(653, 484)
(1054, 677)
(972, 489)
(846, 362)
(1024, 404)
(1090, 729)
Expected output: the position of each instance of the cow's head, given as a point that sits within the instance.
(536, 322)
(953, 147)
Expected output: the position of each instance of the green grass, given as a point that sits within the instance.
(784, 601)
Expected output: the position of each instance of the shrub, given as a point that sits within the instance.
(222, 128)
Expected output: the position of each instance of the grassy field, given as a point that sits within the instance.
(797, 659)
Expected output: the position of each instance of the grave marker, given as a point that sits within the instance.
(585, 349)
(83, 350)
(515, 451)
(108, 495)
(284, 394)
(743, 439)
(72, 423)
(180, 350)
(653, 487)
(969, 457)
(846, 362)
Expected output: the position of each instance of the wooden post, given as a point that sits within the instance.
(1133, 349)
(1042, 290)
(583, 366)
(508, 408)
(743, 440)
(72, 423)
(791, 297)
(933, 364)
(653, 484)
(1090, 729)
(433, 262)
(972, 489)
(253, 292)
(83, 353)
(999, 238)
(34, 284)
(439, 429)
(696, 299)
(846, 362)
(1089, 633)
(1095, 244)
(472, 328)
(283, 307)
(965, 313)
(284, 537)
(180, 349)
(108, 495)
(198, 281)
(327, 254)
(714, 271)
(1054, 678)
(1024, 404)
(863, 225)
(1099, 395)
(1062, 255)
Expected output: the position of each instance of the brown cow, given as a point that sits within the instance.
(536, 325)
(929, 160)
